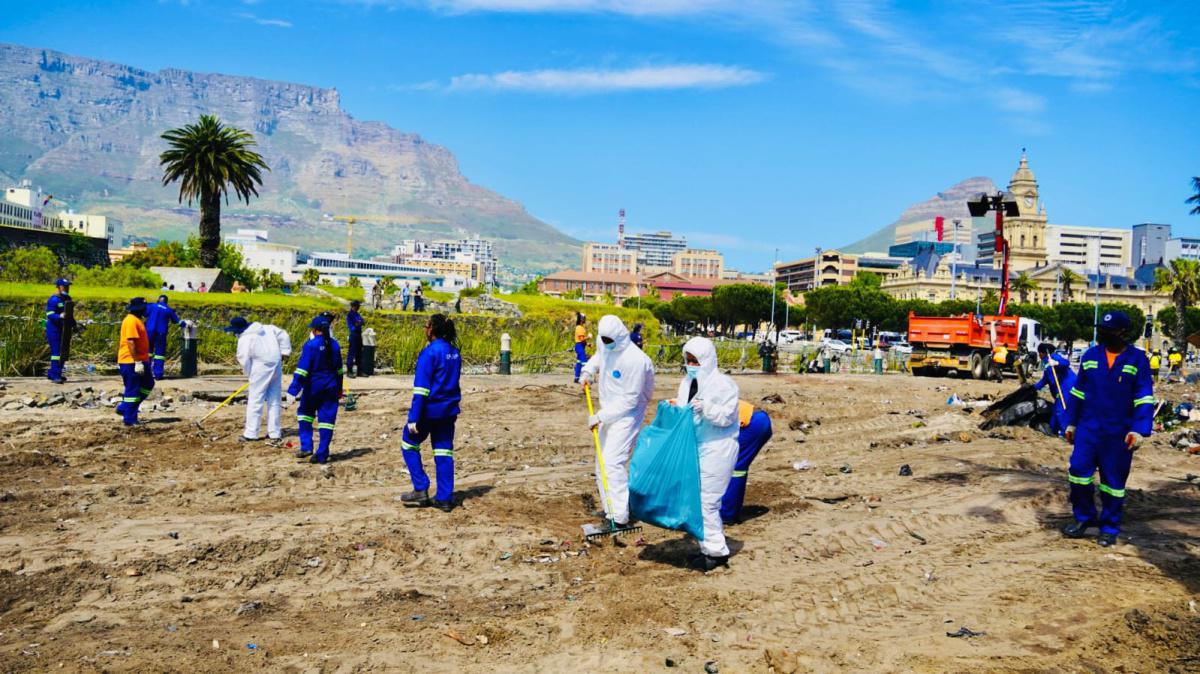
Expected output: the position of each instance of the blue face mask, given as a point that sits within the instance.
(610, 346)
(693, 370)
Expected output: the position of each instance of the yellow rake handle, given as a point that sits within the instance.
(587, 391)
(231, 397)
(1054, 373)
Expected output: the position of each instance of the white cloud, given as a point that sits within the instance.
(589, 81)
(275, 23)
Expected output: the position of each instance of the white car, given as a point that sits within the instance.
(789, 336)
(902, 348)
(836, 345)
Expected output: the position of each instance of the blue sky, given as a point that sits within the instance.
(746, 124)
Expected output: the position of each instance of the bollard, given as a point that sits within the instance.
(825, 364)
(505, 354)
(187, 355)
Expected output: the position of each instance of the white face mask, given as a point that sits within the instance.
(693, 370)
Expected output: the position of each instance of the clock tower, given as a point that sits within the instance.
(1026, 233)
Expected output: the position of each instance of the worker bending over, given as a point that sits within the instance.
(260, 351)
(1109, 412)
(434, 411)
(624, 377)
(317, 381)
(159, 318)
(133, 359)
(1059, 378)
(713, 398)
(56, 318)
(754, 432)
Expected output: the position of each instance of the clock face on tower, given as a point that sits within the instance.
(1028, 200)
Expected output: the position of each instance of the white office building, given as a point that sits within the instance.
(1088, 249)
(28, 208)
(1184, 247)
(658, 248)
(259, 253)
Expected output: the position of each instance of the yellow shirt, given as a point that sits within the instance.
(1155, 362)
(1175, 358)
(745, 411)
(580, 334)
(133, 328)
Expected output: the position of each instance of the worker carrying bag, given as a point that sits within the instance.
(664, 473)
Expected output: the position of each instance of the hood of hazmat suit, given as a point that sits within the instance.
(716, 419)
(262, 346)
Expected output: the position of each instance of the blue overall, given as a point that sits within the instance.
(1104, 405)
(354, 325)
(55, 307)
(1059, 367)
(159, 318)
(137, 388)
(317, 381)
(434, 410)
(581, 358)
(751, 439)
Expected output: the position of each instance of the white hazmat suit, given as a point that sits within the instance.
(261, 350)
(715, 413)
(624, 377)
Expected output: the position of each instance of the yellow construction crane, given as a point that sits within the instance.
(387, 219)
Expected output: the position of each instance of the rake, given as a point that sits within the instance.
(593, 532)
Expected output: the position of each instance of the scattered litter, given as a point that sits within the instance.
(846, 468)
(252, 646)
(417, 617)
(314, 562)
(905, 471)
(248, 607)
(674, 631)
(669, 662)
(965, 632)
(878, 544)
(132, 573)
(220, 492)
(917, 536)
(482, 639)
(172, 628)
(710, 667)
(802, 465)
(505, 555)
(929, 576)
(458, 637)
(173, 534)
(773, 398)
(639, 542)
(216, 644)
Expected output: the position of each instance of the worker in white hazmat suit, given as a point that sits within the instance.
(713, 398)
(624, 377)
(260, 351)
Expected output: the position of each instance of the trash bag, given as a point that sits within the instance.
(1022, 407)
(664, 473)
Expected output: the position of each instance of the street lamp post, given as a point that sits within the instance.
(774, 282)
(1096, 316)
(954, 260)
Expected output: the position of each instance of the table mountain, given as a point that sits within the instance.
(88, 132)
(950, 204)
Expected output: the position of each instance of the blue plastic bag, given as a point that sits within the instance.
(664, 473)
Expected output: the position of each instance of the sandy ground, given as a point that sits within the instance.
(175, 549)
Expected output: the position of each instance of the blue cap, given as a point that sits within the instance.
(237, 325)
(1114, 320)
(62, 282)
(320, 323)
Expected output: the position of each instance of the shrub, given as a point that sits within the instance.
(472, 292)
(36, 264)
(119, 276)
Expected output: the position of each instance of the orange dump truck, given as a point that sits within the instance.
(969, 345)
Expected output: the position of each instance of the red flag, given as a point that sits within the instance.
(939, 226)
(999, 231)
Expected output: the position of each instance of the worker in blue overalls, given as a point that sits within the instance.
(56, 308)
(754, 434)
(1110, 411)
(354, 325)
(317, 381)
(1059, 378)
(159, 319)
(434, 411)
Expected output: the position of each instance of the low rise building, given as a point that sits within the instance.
(597, 287)
(1092, 249)
(1183, 247)
(339, 268)
(258, 252)
(829, 267)
(608, 258)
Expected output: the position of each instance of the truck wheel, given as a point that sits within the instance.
(978, 367)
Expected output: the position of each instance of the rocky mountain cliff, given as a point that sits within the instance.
(950, 204)
(88, 132)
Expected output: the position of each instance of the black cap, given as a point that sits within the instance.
(354, 304)
(136, 303)
(237, 325)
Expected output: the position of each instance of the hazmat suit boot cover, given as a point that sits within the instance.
(664, 474)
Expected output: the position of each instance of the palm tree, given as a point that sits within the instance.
(1024, 285)
(1181, 279)
(1067, 277)
(1195, 198)
(207, 158)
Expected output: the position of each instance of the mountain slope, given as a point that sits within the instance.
(88, 131)
(951, 203)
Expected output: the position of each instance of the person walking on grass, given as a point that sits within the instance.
(434, 411)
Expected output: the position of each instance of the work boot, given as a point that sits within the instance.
(415, 499)
(319, 458)
(274, 442)
(707, 563)
(243, 438)
(304, 453)
(1106, 540)
(1077, 529)
(444, 506)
